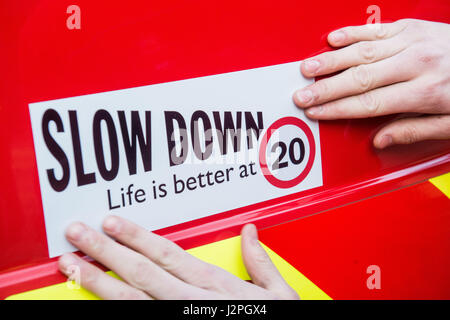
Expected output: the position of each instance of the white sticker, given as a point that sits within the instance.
(168, 153)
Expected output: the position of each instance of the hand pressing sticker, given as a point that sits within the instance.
(400, 67)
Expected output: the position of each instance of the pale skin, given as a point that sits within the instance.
(153, 267)
(401, 67)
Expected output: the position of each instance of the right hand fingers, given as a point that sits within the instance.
(354, 81)
(410, 130)
(367, 32)
(400, 97)
(362, 50)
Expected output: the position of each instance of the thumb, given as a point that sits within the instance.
(259, 266)
(410, 130)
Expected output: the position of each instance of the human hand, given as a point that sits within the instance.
(390, 68)
(153, 267)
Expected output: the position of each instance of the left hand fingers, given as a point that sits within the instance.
(131, 266)
(163, 277)
(95, 280)
(260, 268)
(169, 256)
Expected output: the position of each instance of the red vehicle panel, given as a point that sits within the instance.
(147, 42)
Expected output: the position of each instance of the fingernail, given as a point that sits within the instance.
(75, 231)
(337, 36)
(385, 141)
(314, 110)
(112, 224)
(67, 260)
(253, 233)
(304, 96)
(312, 65)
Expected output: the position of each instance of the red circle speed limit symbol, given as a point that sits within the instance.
(292, 152)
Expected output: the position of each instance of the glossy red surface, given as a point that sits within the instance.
(146, 42)
(405, 233)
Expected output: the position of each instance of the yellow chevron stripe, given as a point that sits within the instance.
(442, 183)
(225, 254)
